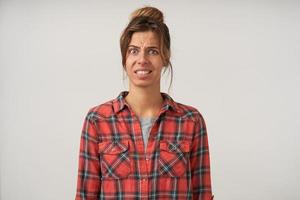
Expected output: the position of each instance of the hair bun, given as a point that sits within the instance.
(150, 12)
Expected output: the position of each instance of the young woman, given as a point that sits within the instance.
(143, 144)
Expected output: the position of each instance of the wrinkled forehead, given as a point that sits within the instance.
(144, 39)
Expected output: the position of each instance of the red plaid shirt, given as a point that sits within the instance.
(113, 163)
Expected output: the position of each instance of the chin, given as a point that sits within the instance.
(143, 84)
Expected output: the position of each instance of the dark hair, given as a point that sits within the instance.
(148, 19)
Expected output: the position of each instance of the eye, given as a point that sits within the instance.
(132, 51)
(153, 52)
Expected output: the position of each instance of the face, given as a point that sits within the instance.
(143, 60)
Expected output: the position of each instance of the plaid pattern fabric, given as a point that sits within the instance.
(114, 165)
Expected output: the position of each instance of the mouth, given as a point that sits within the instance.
(142, 72)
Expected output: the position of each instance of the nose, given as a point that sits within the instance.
(142, 59)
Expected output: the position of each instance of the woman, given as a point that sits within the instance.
(143, 144)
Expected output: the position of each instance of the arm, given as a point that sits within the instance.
(88, 181)
(200, 163)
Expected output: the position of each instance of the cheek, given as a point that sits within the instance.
(129, 61)
(128, 65)
(160, 63)
(127, 68)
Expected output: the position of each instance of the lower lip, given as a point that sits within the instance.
(143, 76)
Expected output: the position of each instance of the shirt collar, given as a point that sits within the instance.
(168, 103)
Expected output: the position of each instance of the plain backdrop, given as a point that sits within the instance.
(236, 61)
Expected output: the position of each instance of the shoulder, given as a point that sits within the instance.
(189, 111)
(102, 110)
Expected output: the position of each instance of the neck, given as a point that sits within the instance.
(145, 102)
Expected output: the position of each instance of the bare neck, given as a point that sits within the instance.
(145, 103)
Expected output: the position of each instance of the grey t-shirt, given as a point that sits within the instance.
(146, 124)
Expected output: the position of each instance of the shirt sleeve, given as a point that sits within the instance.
(88, 180)
(200, 163)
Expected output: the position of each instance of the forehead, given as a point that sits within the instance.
(148, 38)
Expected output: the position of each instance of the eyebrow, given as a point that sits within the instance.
(151, 47)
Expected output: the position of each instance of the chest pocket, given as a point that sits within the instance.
(114, 159)
(173, 159)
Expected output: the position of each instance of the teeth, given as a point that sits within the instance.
(142, 72)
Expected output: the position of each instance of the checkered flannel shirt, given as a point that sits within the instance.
(113, 163)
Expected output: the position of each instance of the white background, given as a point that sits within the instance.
(236, 61)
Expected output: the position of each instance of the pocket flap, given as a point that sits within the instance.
(112, 147)
(173, 147)
(185, 146)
